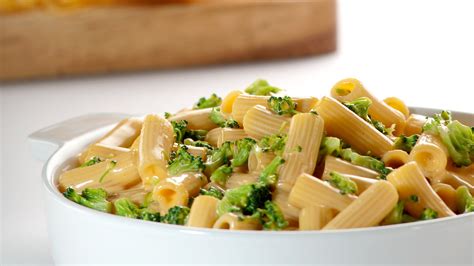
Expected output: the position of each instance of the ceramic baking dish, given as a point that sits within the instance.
(81, 235)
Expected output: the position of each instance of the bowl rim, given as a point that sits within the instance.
(50, 169)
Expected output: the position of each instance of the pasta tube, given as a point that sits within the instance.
(309, 190)
(414, 124)
(409, 181)
(154, 148)
(203, 212)
(231, 221)
(430, 154)
(447, 193)
(177, 190)
(302, 146)
(122, 135)
(213, 136)
(363, 183)
(351, 89)
(238, 179)
(193, 150)
(464, 173)
(113, 175)
(244, 102)
(451, 179)
(395, 158)
(259, 122)
(280, 198)
(343, 123)
(258, 159)
(369, 209)
(197, 119)
(228, 101)
(315, 217)
(333, 164)
(103, 151)
(398, 105)
(230, 134)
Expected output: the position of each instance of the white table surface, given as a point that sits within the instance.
(420, 51)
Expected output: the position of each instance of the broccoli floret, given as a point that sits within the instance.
(179, 128)
(272, 217)
(212, 101)
(125, 207)
(275, 143)
(360, 107)
(261, 87)
(218, 157)
(405, 143)
(92, 161)
(111, 165)
(94, 198)
(241, 151)
(167, 115)
(269, 175)
(219, 119)
(199, 134)
(330, 146)
(408, 218)
(414, 198)
(198, 143)
(176, 215)
(428, 214)
(221, 175)
(246, 199)
(343, 183)
(213, 192)
(282, 105)
(464, 200)
(184, 162)
(396, 215)
(365, 161)
(458, 138)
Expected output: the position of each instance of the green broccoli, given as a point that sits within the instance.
(221, 174)
(343, 183)
(330, 146)
(199, 134)
(92, 161)
(179, 128)
(271, 217)
(212, 191)
(428, 214)
(275, 143)
(212, 101)
(176, 215)
(218, 157)
(246, 199)
(405, 143)
(184, 162)
(365, 161)
(464, 200)
(94, 198)
(458, 138)
(414, 198)
(241, 151)
(125, 207)
(396, 215)
(269, 175)
(360, 107)
(406, 218)
(197, 143)
(219, 119)
(167, 115)
(282, 105)
(110, 166)
(261, 87)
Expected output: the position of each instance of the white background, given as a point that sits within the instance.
(420, 51)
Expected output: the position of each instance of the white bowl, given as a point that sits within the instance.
(81, 235)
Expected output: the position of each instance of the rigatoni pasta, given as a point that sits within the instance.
(261, 160)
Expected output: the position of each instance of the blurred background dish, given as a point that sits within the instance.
(110, 36)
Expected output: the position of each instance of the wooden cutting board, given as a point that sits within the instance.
(42, 43)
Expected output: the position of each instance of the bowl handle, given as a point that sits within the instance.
(46, 141)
